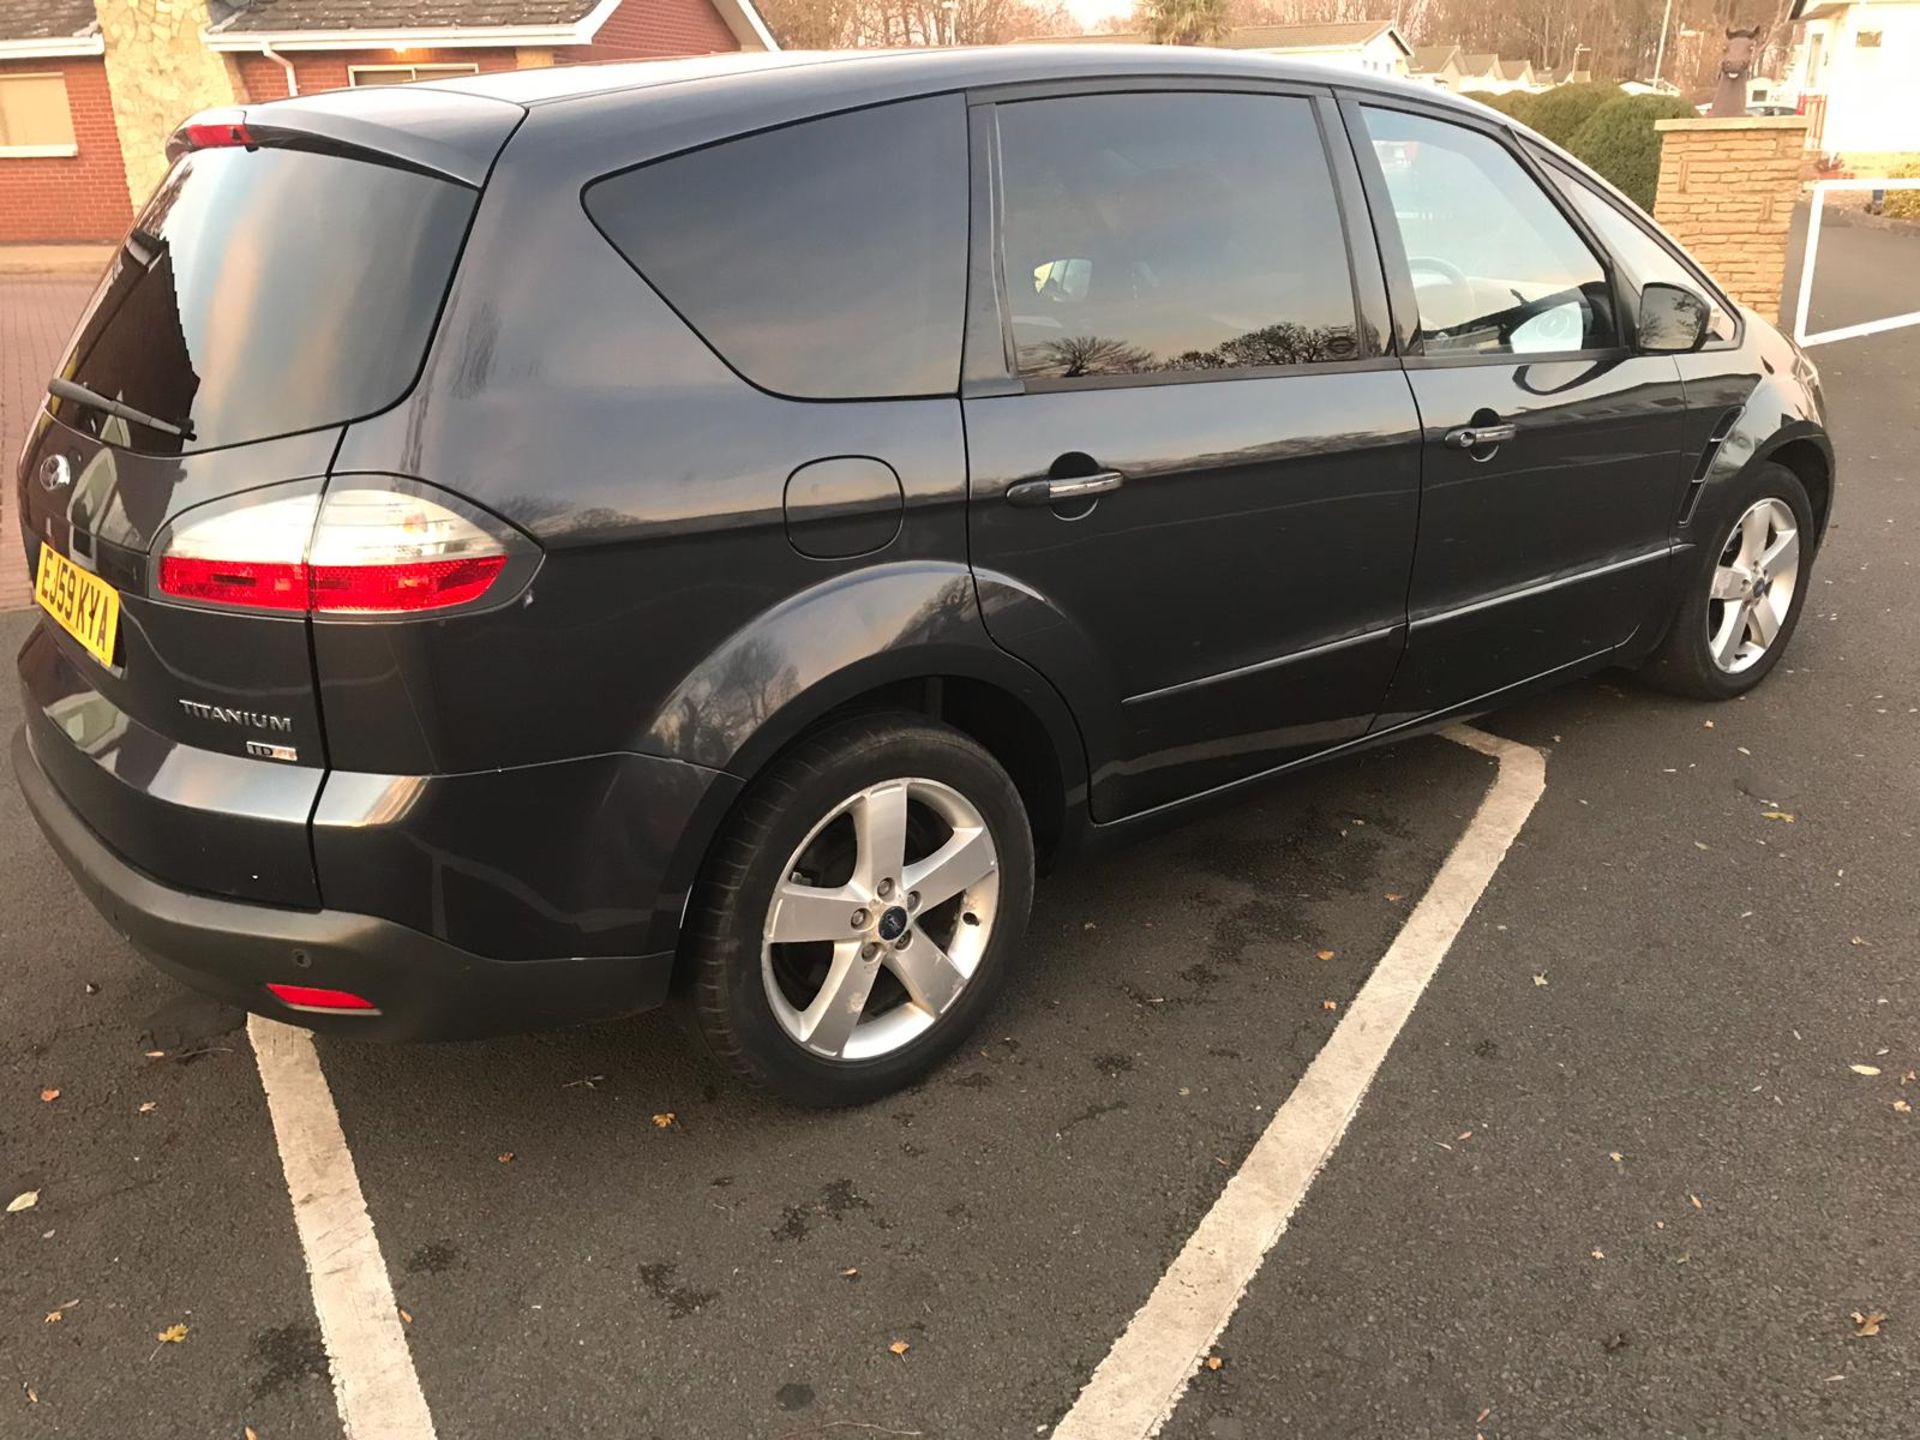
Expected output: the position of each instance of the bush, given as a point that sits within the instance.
(1620, 142)
(1515, 104)
(1559, 113)
(1904, 203)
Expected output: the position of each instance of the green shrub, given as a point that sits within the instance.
(1516, 104)
(1620, 142)
(1904, 203)
(1559, 113)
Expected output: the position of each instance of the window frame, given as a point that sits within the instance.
(1637, 218)
(440, 69)
(1386, 229)
(61, 150)
(989, 358)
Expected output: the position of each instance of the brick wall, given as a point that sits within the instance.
(1727, 192)
(76, 197)
(263, 79)
(641, 29)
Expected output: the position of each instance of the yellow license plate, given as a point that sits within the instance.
(83, 604)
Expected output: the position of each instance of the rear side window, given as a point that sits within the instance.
(267, 291)
(826, 260)
(1496, 268)
(1146, 233)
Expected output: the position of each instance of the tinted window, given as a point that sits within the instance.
(1643, 258)
(267, 291)
(825, 260)
(1166, 232)
(1496, 267)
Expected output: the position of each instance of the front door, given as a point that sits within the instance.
(1552, 462)
(1195, 464)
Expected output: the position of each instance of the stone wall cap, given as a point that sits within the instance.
(1734, 122)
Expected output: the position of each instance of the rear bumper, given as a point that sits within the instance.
(425, 988)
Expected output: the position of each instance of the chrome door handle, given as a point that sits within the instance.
(1033, 493)
(1472, 437)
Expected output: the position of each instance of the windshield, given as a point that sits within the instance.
(263, 292)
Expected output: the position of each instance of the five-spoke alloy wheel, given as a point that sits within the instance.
(1740, 603)
(861, 910)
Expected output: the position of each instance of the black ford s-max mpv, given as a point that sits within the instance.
(520, 547)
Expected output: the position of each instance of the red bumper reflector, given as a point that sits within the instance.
(313, 997)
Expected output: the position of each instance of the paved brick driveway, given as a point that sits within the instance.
(37, 312)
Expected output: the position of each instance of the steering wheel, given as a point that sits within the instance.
(1451, 273)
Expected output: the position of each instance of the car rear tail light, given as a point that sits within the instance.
(367, 550)
(386, 550)
(313, 997)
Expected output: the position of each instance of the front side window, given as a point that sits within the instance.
(1496, 268)
(34, 116)
(825, 260)
(1162, 232)
(1642, 258)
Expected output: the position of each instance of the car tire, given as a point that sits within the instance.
(804, 903)
(1713, 650)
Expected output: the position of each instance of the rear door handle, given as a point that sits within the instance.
(1035, 493)
(1473, 437)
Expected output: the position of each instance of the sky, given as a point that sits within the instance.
(1090, 12)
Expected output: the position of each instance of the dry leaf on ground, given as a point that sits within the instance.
(1868, 1323)
(1325, 954)
(49, 1095)
(172, 1335)
(1214, 1362)
(664, 1120)
(1329, 1004)
(899, 1347)
(1864, 1069)
(1539, 979)
(1776, 815)
(147, 1107)
(25, 1200)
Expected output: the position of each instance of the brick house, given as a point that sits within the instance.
(61, 175)
(88, 97)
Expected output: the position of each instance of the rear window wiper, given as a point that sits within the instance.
(81, 395)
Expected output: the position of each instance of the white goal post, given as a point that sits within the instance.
(1844, 332)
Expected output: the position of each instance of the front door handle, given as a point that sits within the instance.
(1034, 493)
(1475, 437)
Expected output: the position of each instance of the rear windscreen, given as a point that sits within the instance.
(267, 291)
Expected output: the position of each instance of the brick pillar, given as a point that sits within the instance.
(1727, 192)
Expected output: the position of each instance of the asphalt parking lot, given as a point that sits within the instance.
(1618, 1176)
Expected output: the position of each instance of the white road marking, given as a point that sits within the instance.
(1135, 1389)
(374, 1383)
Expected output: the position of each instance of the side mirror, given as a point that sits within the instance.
(1673, 319)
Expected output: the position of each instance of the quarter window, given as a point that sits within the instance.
(826, 260)
(1496, 268)
(34, 116)
(1643, 258)
(1149, 233)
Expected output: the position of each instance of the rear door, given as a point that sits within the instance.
(1184, 439)
(268, 293)
(1552, 461)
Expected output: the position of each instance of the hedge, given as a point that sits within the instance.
(1620, 142)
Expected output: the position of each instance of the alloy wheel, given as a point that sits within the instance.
(1753, 586)
(882, 915)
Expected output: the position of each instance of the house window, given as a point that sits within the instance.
(358, 75)
(34, 118)
(1867, 39)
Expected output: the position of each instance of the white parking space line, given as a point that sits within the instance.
(374, 1383)
(1134, 1390)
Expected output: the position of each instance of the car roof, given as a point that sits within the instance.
(853, 77)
